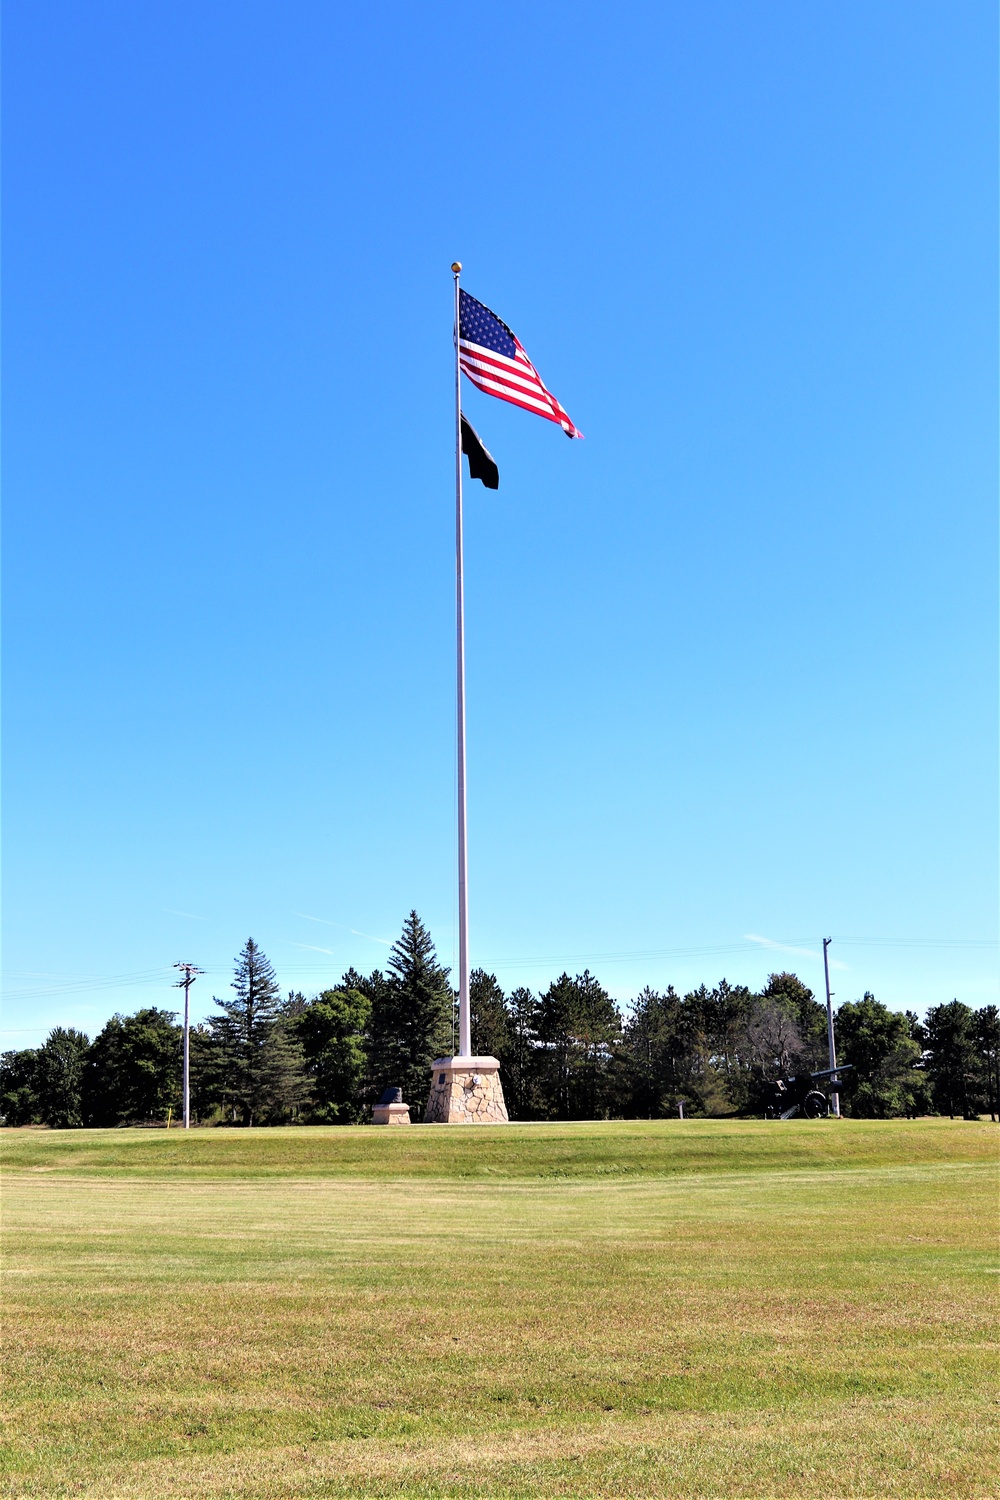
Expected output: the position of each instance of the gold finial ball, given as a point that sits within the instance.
(456, 266)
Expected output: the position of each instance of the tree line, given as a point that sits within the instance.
(567, 1053)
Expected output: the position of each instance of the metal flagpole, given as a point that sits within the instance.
(464, 1018)
(829, 1019)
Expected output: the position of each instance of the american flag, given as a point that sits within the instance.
(494, 360)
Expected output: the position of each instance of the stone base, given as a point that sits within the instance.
(391, 1114)
(466, 1091)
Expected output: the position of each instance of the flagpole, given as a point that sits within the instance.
(464, 1017)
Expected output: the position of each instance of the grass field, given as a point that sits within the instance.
(678, 1309)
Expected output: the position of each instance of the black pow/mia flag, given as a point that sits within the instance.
(481, 462)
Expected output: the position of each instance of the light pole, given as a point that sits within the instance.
(190, 974)
(829, 1021)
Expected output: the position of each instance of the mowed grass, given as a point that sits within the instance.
(628, 1309)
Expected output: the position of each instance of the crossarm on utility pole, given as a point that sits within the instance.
(190, 973)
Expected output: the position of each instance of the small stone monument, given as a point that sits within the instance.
(390, 1109)
(466, 1091)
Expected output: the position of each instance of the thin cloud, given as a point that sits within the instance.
(311, 948)
(753, 937)
(386, 942)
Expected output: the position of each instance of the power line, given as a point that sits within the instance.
(94, 983)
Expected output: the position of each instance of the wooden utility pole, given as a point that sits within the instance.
(190, 974)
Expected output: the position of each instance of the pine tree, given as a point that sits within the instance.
(488, 1013)
(951, 1058)
(248, 1036)
(521, 1084)
(286, 1085)
(988, 1045)
(657, 1046)
(208, 1082)
(579, 1028)
(411, 1017)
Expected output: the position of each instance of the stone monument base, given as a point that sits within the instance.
(390, 1109)
(466, 1091)
(391, 1114)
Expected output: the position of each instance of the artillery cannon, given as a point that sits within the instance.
(799, 1095)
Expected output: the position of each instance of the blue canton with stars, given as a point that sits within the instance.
(477, 325)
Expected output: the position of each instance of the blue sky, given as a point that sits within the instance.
(731, 660)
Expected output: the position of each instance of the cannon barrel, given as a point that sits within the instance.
(829, 1072)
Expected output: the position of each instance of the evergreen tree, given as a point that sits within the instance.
(257, 1065)
(286, 1085)
(521, 1084)
(411, 1017)
(374, 987)
(720, 1023)
(331, 1031)
(657, 1049)
(294, 1005)
(133, 1069)
(579, 1029)
(988, 1046)
(208, 1090)
(369, 985)
(491, 1031)
(951, 1058)
(555, 1042)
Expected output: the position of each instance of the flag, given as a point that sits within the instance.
(493, 359)
(482, 464)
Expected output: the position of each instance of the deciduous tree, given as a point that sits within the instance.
(18, 1087)
(59, 1078)
(331, 1031)
(133, 1069)
(883, 1050)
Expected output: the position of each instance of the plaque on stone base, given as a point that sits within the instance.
(466, 1091)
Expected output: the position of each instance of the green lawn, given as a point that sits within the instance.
(678, 1309)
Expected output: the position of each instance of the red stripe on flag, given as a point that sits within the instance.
(514, 380)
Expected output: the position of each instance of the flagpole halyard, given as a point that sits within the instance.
(464, 1016)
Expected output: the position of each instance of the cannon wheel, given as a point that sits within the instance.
(815, 1105)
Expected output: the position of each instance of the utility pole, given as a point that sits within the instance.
(829, 1021)
(190, 974)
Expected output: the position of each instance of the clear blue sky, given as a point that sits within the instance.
(732, 659)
